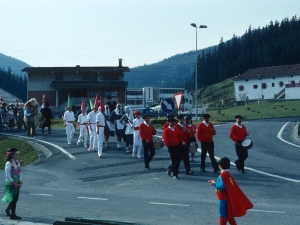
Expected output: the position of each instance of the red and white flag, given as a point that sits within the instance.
(178, 97)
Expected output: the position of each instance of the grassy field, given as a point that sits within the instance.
(257, 111)
(27, 153)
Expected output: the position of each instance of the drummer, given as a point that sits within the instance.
(238, 133)
(205, 132)
(189, 125)
(184, 143)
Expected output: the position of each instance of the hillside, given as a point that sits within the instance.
(15, 65)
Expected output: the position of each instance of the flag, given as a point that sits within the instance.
(69, 105)
(178, 97)
(96, 104)
(102, 104)
(82, 105)
(91, 104)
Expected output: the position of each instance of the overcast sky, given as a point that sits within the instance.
(99, 32)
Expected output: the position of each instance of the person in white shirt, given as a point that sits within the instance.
(137, 141)
(116, 118)
(100, 124)
(82, 127)
(69, 122)
(127, 119)
(92, 128)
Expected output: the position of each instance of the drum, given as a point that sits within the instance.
(247, 143)
(158, 144)
(193, 147)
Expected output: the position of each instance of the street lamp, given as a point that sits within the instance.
(196, 73)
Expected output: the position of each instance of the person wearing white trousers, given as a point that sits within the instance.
(69, 122)
(92, 129)
(100, 124)
(137, 141)
(82, 126)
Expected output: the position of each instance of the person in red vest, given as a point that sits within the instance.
(147, 131)
(205, 132)
(172, 142)
(184, 143)
(232, 201)
(238, 133)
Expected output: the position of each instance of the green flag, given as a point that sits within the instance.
(91, 104)
(69, 105)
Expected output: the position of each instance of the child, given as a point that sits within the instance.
(13, 182)
(232, 201)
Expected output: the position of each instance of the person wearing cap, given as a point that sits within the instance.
(191, 135)
(115, 117)
(232, 200)
(127, 119)
(172, 142)
(184, 143)
(92, 126)
(205, 133)
(238, 133)
(137, 141)
(111, 104)
(46, 117)
(146, 131)
(82, 121)
(100, 125)
(69, 123)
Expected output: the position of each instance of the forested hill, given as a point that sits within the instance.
(15, 65)
(273, 45)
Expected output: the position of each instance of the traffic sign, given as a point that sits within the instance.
(167, 105)
(178, 97)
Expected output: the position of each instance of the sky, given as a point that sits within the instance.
(99, 32)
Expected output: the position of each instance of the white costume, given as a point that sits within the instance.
(82, 120)
(69, 119)
(92, 130)
(137, 141)
(100, 121)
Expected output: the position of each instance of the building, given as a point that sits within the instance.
(8, 97)
(278, 82)
(80, 82)
(151, 97)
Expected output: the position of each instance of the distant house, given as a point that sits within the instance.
(80, 82)
(278, 82)
(8, 97)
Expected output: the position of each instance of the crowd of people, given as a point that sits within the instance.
(11, 116)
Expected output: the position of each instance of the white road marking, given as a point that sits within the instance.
(46, 142)
(159, 203)
(280, 138)
(265, 211)
(102, 199)
(41, 194)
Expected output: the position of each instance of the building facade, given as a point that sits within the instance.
(80, 82)
(268, 83)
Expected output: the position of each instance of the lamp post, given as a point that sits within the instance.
(202, 96)
(196, 73)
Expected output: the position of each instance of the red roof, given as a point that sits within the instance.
(267, 72)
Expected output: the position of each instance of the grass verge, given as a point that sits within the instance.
(27, 153)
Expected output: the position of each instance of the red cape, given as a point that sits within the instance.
(238, 202)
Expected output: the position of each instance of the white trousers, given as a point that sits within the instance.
(70, 130)
(93, 137)
(83, 133)
(100, 138)
(137, 143)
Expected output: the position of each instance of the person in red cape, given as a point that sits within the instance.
(232, 201)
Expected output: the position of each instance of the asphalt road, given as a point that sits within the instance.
(118, 188)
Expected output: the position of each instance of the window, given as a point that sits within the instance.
(130, 102)
(110, 78)
(241, 88)
(263, 85)
(110, 93)
(186, 100)
(139, 102)
(255, 86)
(281, 83)
(134, 92)
(190, 101)
(273, 85)
(59, 76)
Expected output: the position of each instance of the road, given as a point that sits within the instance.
(118, 188)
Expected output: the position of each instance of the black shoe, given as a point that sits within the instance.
(7, 212)
(49, 133)
(192, 161)
(189, 172)
(168, 171)
(15, 217)
(175, 177)
(202, 170)
(242, 171)
(42, 131)
(147, 168)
